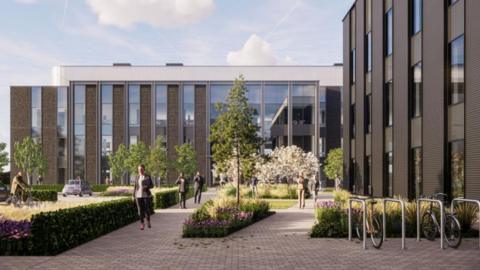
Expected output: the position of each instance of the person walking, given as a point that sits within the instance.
(182, 190)
(253, 184)
(198, 186)
(142, 195)
(301, 191)
(313, 187)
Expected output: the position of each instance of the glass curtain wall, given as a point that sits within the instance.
(79, 131)
(161, 111)
(62, 104)
(303, 107)
(276, 116)
(107, 122)
(133, 113)
(188, 113)
(36, 108)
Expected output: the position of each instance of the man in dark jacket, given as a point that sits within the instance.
(198, 186)
(143, 195)
(182, 190)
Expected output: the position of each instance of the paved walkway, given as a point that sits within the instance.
(278, 242)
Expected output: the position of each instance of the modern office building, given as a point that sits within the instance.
(412, 97)
(91, 110)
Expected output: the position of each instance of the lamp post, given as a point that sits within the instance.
(237, 147)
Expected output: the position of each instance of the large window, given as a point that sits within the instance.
(161, 110)
(389, 32)
(134, 112)
(417, 16)
(79, 131)
(353, 68)
(388, 95)
(368, 175)
(456, 73)
(368, 113)
(36, 113)
(388, 174)
(457, 168)
(303, 107)
(107, 121)
(62, 104)
(254, 100)
(368, 51)
(416, 172)
(417, 91)
(188, 113)
(218, 95)
(352, 121)
(276, 116)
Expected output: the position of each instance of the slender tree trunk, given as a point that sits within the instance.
(29, 179)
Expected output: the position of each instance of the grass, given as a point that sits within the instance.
(281, 204)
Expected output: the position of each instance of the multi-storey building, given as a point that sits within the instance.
(91, 110)
(412, 97)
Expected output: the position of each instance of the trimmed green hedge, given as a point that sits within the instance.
(45, 195)
(55, 187)
(54, 232)
(167, 198)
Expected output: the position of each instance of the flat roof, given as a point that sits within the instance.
(325, 75)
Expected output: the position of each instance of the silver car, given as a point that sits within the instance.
(76, 187)
(4, 193)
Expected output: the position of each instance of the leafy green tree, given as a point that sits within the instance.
(137, 154)
(117, 162)
(234, 134)
(333, 167)
(29, 158)
(186, 161)
(157, 160)
(3, 156)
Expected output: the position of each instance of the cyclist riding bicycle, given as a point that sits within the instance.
(19, 187)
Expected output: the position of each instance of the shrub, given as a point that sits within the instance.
(164, 198)
(341, 197)
(331, 221)
(45, 195)
(467, 213)
(55, 187)
(118, 191)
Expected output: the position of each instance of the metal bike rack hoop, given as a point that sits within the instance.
(442, 221)
(364, 217)
(384, 221)
(461, 199)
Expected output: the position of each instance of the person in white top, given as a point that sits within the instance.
(143, 196)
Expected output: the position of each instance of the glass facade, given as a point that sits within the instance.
(276, 116)
(416, 172)
(79, 131)
(62, 118)
(161, 110)
(107, 122)
(188, 113)
(254, 97)
(389, 174)
(36, 114)
(389, 32)
(303, 102)
(368, 113)
(368, 51)
(417, 91)
(456, 72)
(218, 94)
(388, 95)
(417, 16)
(133, 113)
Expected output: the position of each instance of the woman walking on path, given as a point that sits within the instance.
(182, 190)
(143, 196)
(301, 191)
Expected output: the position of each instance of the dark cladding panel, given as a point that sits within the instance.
(434, 105)
(146, 114)
(400, 98)
(201, 128)
(20, 119)
(49, 133)
(377, 97)
(91, 124)
(333, 95)
(472, 99)
(360, 96)
(173, 114)
(346, 101)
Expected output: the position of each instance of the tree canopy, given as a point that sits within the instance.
(333, 167)
(29, 158)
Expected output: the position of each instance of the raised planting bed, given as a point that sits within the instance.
(221, 217)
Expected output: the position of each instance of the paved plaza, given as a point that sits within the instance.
(278, 242)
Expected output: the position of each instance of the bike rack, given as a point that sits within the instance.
(442, 221)
(364, 217)
(461, 199)
(402, 204)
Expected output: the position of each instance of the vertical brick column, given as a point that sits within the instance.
(49, 133)
(173, 128)
(20, 119)
(91, 125)
(201, 139)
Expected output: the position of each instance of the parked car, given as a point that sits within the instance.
(4, 192)
(77, 187)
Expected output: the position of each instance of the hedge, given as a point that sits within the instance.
(59, 187)
(54, 232)
(45, 195)
(167, 198)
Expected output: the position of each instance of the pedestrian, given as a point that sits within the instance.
(301, 191)
(143, 196)
(253, 184)
(313, 187)
(198, 186)
(223, 180)
(182, 190)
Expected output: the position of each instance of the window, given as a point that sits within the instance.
(457, 168)
(389, 32)
(352, 121)
(161, 110)
(352, 66)
(388, 96)
(451, 2)
(62, 112)
(188, 113)
(36, 113)
(456, 79)
(368, 113)
(107, 122)
(303, 99)
(254, 100)
(218, 94)
(276, 116)
(417, 16)
(134, 105)
(389, 174)
(79, 131)
(417, 91)
(368, 175)
(368, 51)
(416, 182)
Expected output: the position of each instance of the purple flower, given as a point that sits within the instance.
(327, 204)
(11, 229)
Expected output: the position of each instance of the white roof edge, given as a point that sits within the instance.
(326, 75)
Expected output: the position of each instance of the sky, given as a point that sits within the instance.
(36, 35)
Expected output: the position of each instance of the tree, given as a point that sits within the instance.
(29, 158)
(186, 162)
(117, 162)
(333, 167)
(137, 154)
(157, 160)
(234, 128)
(3, 156)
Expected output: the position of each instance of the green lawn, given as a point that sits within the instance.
(281, 204)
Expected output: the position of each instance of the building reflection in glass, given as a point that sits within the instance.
(276, 116)
(303, 127)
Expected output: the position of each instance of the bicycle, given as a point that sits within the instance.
(431, 227)
(373, 225)
(17, 201)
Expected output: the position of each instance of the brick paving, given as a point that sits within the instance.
(278, 242)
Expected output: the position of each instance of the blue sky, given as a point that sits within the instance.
(38, 34)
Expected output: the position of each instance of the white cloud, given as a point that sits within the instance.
(256, 51)
(159, 13)
(26, 1)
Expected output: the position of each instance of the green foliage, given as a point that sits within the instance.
(29, 158)
(137, 154)
(45, 195)
(331, 222)
(264, 191)
(341, 197)
(234, 127)
(4, 160)
(118, 162)
(170, 197)
(157, 163)
(186, 162)
(333, 167)
(54, 187)
(467, 213)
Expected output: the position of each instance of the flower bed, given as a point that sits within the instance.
(264, 191)
(49, 233)
(221, 217)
